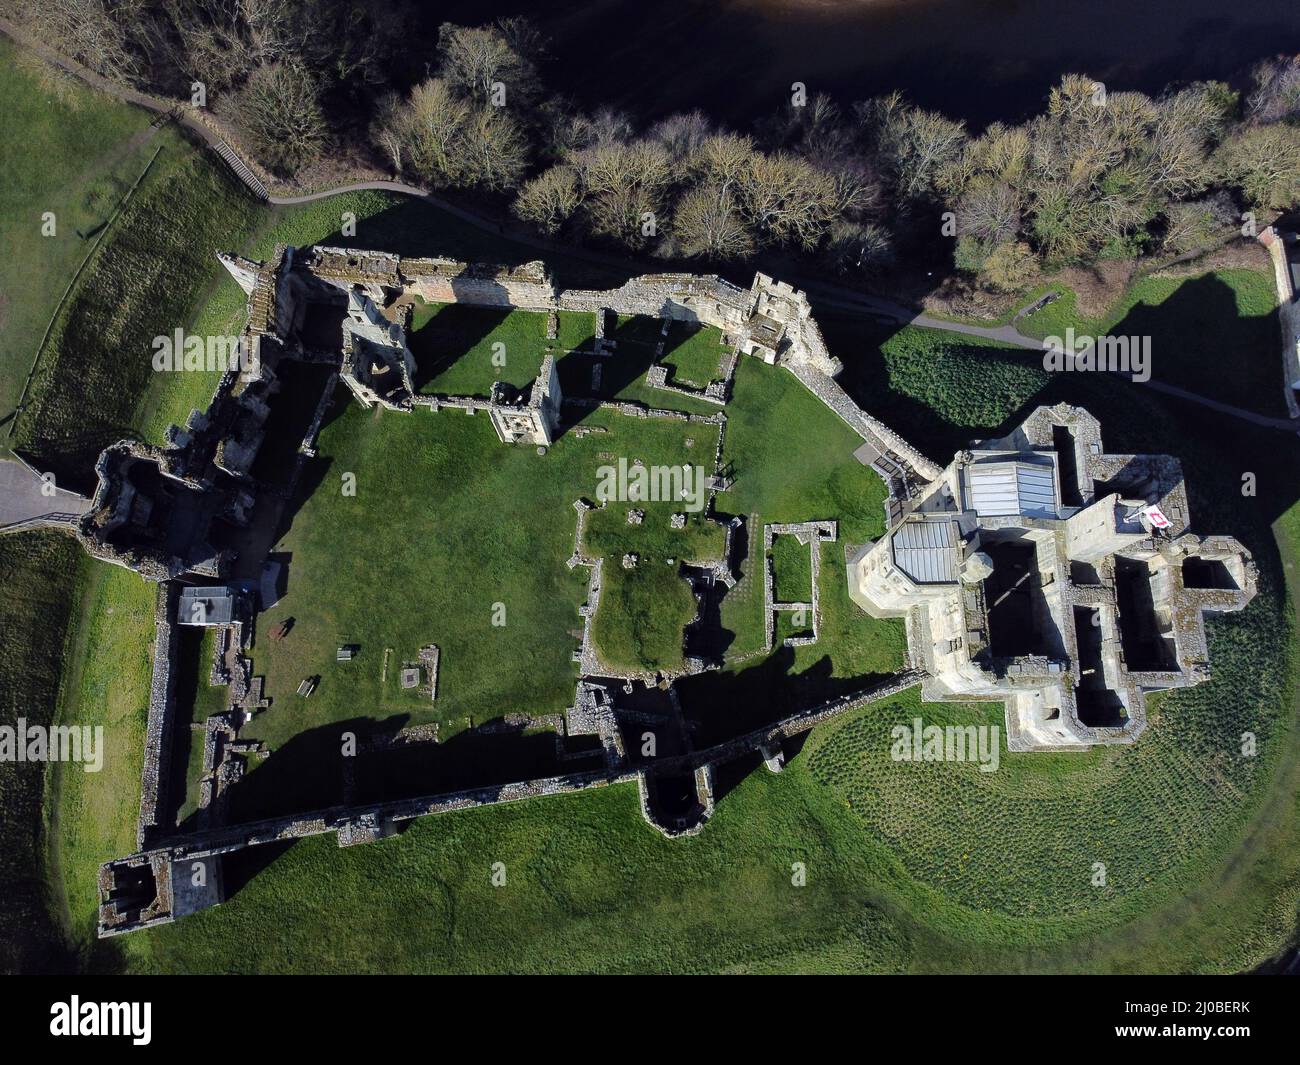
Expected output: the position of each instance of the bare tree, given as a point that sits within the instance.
(1199, 225)
(473, 59)
(388, 129)
(707, 223)
(683, 133)
(550, 199)
(625, 187)
(786, 199)
(1264, 162)
(93, 31)
(915, 145)
(990, 212)
(205, 41)
(494, 149)
(280, 109)
(858, 247)
(599, 129)
(856, 188)
(723, 158)
(431, 126)
(1277, 91)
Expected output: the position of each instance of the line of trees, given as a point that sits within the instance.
(1097, 174)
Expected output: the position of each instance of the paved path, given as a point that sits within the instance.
(22, 501)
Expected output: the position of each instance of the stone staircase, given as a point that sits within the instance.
(241, 170)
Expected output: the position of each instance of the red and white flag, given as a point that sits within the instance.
(1156, 517)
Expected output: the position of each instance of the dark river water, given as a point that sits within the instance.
(974, 59)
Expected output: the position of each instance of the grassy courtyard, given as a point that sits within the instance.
(464, 541)
(792, 569)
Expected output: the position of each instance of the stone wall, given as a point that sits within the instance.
(158, 731)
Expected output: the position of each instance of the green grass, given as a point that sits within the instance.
(792, 569)
(462, 351)
(66, 151)
(462, 523)
(1216, 334)
(37, 573)
(106, 683)
(693, 355)
(622, 373)
(589, 887)
(644, 611)
(140, 284)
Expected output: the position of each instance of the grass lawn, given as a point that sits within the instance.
(1216, 334)
(792, 569)
(70, 153)
(693, 354)
(140, 284)
(464, 540)
(462, 351)
(37, 575)
(107, 671)
(643, 611)
(622, 373)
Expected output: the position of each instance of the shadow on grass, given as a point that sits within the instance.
(317, 769)
(447, 337)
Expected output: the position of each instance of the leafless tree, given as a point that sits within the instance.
(472, 59)
(494, 148)
(625, 187)
(280, 109)
(1264, 162)
(1277, 91)
(723, 158)
(93, 31)
(550, 199)
(1199, 225)
(431, 128)
(683, 133)
(707, 223)
(990, 212)
(786, 199)
(859, 247)
(915, 145)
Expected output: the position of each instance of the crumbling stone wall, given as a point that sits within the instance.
(156, 772)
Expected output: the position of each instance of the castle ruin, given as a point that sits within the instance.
(1032, 570)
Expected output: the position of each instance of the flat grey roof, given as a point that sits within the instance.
(1015, 487)
(218, 606)
(928, 551)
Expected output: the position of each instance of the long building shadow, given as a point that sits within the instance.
(363, 760)
(449, 336)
